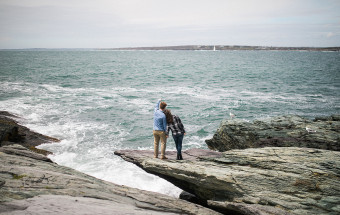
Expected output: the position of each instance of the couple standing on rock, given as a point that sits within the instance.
(163, 121)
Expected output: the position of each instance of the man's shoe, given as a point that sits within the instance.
(164, 158)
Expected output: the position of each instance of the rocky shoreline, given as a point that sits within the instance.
(30, 183)
(228, 48)
(271, 166)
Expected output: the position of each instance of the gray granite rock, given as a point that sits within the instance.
(282, 131)
(270, 180)
(31, 184)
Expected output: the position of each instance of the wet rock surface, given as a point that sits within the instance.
(270, 180)
(12, 132)
(32, 184)
(282, 131)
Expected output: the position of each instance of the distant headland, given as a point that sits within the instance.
(228, 47)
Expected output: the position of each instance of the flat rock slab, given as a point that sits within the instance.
(136, 156)
(270, 180)
(30, 184)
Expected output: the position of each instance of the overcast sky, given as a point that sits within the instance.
(131, 23)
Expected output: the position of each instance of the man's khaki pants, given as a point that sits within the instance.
(159, 135)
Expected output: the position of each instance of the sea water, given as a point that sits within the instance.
(97, 102)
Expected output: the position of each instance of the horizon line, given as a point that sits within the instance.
(191, 46)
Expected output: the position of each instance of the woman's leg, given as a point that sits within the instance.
(179, 150)
(176, 143)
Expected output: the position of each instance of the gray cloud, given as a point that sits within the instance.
(121, 23)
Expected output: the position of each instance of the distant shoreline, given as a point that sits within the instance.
(227, 47)
(190, 48)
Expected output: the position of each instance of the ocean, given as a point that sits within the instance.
(98, 101)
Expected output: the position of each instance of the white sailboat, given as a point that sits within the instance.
(214, 48)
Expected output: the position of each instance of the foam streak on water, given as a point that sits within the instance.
(97, 102)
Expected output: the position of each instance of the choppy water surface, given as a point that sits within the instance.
(99, 101)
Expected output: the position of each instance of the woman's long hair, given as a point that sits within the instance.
(168, 115)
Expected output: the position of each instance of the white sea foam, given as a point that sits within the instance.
(141, 106)
(195, 92)
(53, 88)
(110, 168)
(64, 159)
(120, 172)
(194, 142)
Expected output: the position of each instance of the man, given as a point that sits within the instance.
(159, 128)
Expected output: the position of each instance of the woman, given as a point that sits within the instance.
(177, 129)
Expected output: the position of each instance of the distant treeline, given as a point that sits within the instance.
(222, 47)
